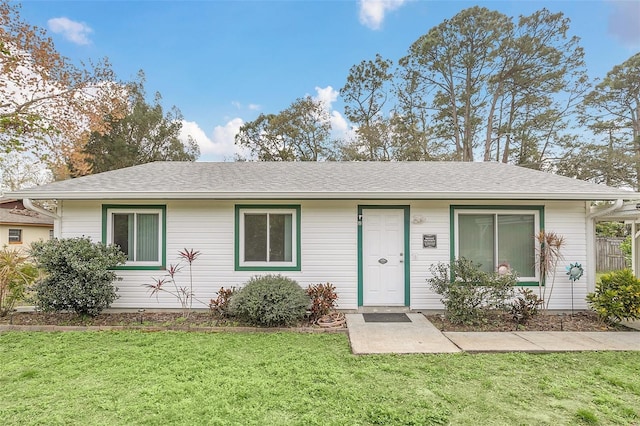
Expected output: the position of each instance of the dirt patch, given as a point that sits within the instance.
(169, 320)
(498, 321)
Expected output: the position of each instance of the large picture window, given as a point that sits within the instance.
(139, 231)
(267, 237)
(493, 237)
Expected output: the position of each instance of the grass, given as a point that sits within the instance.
(133, 377)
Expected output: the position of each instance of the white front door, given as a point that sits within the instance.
(383, 257)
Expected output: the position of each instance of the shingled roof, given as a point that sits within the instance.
(12, 212)
(332, 180)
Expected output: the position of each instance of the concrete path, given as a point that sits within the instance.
(420, 336)
(545, 341)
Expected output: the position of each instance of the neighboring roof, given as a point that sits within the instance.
(319, 180)
(12, 212)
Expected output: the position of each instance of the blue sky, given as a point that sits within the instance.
(224, 62)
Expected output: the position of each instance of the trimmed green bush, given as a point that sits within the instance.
(270, 300)
(78, 275)
(617, 296)
(467, 292)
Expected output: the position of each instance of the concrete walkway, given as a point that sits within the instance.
(420, 336)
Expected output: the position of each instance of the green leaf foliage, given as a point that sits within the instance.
(467, 292)
(270, 300)
(78, 275)
(298, 133)
(145, 134)
(16, 275)
(617, 296)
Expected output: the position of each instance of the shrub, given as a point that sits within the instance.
(78, 275)
(219, 306)
(323, 299)
(270, 300)
(525, 306)
(183, 294)
(16, 274)
(625, 248)
(617, 296)
(467, 291)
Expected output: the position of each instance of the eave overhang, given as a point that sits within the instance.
(323, 195)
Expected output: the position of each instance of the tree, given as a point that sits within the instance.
(20, 170)
(365, 94)
(487, 84)
(46, 101)
(612, 112)
(143, 135)
(298, 133)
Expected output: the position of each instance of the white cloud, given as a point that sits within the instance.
(327, 95)
(254, 107)
(623, 22)
(340, 127)
(220, 146)
(75, 32)
(372, 12)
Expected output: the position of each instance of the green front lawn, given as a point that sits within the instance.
(131, 377)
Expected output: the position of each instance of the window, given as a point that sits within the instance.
(139, 231)
(492, 237)
(15, 236)
(268, 238)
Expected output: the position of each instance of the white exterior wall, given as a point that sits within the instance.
(329, 251)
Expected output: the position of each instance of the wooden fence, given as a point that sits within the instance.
(609, 257)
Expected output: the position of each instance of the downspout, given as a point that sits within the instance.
(56, 219)
(618, 203)
(591, 241)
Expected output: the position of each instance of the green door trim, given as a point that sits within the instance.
(407, 257)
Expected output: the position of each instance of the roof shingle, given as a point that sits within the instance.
(364, 180)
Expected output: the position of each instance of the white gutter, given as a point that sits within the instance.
(597, 213)
(311, 195)
(29, 205)
(56, 219)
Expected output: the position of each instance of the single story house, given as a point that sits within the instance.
(19, 227)
(372, 229)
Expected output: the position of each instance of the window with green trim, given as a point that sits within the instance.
(267, 237)
(498, 237)
(138, 231)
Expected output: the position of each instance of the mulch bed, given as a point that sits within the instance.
(496, 321)
(580, 321)
(169, 320)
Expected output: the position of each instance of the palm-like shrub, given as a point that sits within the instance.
(16, 275)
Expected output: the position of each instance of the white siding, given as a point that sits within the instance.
(328, 246)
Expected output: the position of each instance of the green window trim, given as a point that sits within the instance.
(162, 263)
(294, 265)
(407, 251)
(489, 209)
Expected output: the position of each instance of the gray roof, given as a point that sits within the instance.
(332, 180)
(23, 217)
